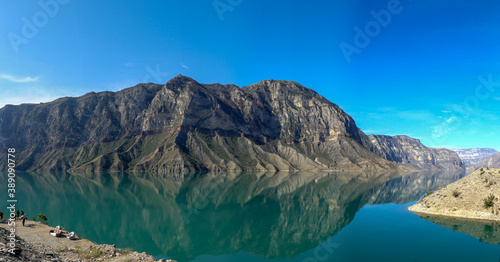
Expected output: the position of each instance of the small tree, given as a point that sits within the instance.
(43, 218)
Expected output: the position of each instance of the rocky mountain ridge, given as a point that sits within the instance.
(472, 156)
(490, 162)
(185, 126)
(412, 153)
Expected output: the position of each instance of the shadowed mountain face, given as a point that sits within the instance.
(271, 215)
(410, 152)
(186, 126)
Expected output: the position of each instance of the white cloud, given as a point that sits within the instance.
(129, 64)
(184, 66)
(34, 94)
(393, 113)
(16, 79)
(446, 127)
(34, 99)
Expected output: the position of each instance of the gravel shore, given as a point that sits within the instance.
(34, 243)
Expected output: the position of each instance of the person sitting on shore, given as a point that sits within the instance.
(17, 213)
(72, 236)
(56, 232)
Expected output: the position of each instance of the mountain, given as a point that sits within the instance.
(472, 156)
(412, 153)
(490, 162)
(186, 126)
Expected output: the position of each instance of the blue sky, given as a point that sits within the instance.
(426, 69)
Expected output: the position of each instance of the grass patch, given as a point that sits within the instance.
(125, 251)
(93, 252)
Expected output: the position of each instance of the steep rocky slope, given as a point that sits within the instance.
(412, 153)
(185, 126)
(472, 156)
(490, 162)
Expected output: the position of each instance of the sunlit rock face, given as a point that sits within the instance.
(412, 153)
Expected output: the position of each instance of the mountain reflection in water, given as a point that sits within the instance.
(270, 215)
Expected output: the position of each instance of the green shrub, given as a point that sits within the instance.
(488, 202)
(429, 192)
(456, 193)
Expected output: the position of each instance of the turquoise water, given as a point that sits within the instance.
(258, 217)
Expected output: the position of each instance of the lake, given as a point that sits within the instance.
(258, 216)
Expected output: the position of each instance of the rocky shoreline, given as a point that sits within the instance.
(33, 243)
(474, 197)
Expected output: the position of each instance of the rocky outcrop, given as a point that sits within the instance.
(185, 126)
(472, 197)
(412, 153)
(472, 156)
(490, 162)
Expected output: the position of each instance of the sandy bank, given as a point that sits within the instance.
(474, 197)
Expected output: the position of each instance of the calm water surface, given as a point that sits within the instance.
(258, 217)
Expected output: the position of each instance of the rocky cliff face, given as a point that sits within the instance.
(490, 162)
(472, 156)
(412, 153)
(185, 126)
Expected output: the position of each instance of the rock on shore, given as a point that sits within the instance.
(474, 197)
